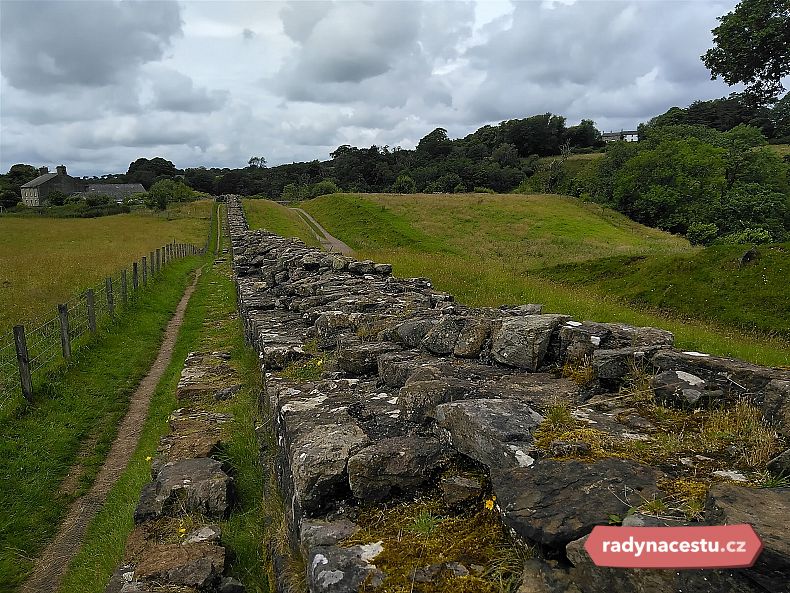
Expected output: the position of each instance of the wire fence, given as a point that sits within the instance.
(39, 345)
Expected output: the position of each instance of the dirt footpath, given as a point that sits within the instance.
(51, 566)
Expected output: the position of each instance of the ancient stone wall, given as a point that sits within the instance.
(376, 385)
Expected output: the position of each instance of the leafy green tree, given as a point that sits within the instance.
(163, 192)
(752, 46)
(702, 233)
(9, 198)
(55, 198)
(322, 188)
(506, 155)
(585, 135)
(404, 185)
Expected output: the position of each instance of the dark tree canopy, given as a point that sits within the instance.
(752, 46)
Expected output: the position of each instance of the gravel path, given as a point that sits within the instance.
(328, 242)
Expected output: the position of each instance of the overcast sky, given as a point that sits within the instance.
(97, 84)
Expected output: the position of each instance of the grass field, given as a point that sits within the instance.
(276, 218)
(490, 250)
(44, 261)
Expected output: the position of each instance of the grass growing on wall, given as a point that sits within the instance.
(45, 261)
(491, 250)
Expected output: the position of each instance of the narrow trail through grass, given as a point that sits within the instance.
(49, 569)
(211, 324)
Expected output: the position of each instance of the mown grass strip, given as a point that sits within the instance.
(276, 218)
(210, 324)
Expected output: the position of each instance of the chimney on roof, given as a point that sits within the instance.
(43, 170)
(61, 169)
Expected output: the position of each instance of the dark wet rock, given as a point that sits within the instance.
(433, 572)
(441, 338)
(361, 267)
(329, 326)
(318, 460)
(190, 485)
(207, 534)
(395, 466)
(539, 576)
(614, 365)
(472, 338)
(395, 368)
(684, 390)
(733, 377)
(230, 585)
(523, 342)
(774, 401)
(317, 532)
(554, 502)
(331, 569)
(226, 392)
(420, 398)
(494, 432)
(411, 333)
(358, 359)
(780, 465)
(460, 491)
(382, 269)
(199, 565)
(123, 575)
(765, 509)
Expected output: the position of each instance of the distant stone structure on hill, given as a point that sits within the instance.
(117, 191)
(34, 192)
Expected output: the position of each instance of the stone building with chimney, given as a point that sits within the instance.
(34, 193)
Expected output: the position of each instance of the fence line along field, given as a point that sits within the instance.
(44, 261)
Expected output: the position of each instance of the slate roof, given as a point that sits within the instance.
(41, 179)
(115, 190)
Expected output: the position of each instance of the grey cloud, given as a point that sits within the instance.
(174, 91)
(51, 44)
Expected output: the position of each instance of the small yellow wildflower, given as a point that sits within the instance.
(489, 504)
(148, 458)
(182, 530)
(320, 362)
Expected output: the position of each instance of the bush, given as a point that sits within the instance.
(166, 191)
(702, 233)
(459, 189)
(483, 190)
(748, 236)
(322, 188)
(404, 185)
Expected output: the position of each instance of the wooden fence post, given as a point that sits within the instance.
(145, 271)
(151, 260)
(136, 276)
(90, 299)
(124, 288)
(23, 359)
(65, 340)
(110, 299)
(158, 260)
